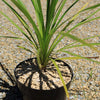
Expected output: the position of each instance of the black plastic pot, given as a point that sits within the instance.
(33, 94)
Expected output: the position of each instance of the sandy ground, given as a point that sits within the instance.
(86, 82)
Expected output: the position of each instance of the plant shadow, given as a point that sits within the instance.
(28, 68)
(11, 90)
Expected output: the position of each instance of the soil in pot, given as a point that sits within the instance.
(32, 81)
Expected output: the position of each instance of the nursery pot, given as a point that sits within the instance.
(39, 94)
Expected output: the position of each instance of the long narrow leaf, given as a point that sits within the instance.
(68, 47)
(27, 37)
(74, 17)
(90, 15)
(26, 13)
(81, 57)
(24, 48)
(65, 13)
(81, 41)
(53, 31)
(92, 7)
(81, 23)
(89, 8)
(82, 45)
(47, 12)
(79, 11)
(75, 58)
(76, 38)
(71, 44)
(21, 3)
(10, 37)
(78, 14)
(9, 30)
(58, 12)
(54, 44)
(24, 24)
(39, 15)
(63, 23)
(15, 35)
(58, 6)
(60, 75)
(50, 13)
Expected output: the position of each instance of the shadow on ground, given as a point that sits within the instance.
(9, 87)
(11, 90)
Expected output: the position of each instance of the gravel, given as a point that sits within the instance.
(86, 81)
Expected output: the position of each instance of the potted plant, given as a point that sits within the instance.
(37, 78)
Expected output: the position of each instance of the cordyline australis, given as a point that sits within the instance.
(41, 41)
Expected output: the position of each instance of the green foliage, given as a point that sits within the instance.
(45, 31)
(57, 68)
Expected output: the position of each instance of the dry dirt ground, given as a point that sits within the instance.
(86, 81)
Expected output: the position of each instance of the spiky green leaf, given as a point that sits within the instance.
(60, 75)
